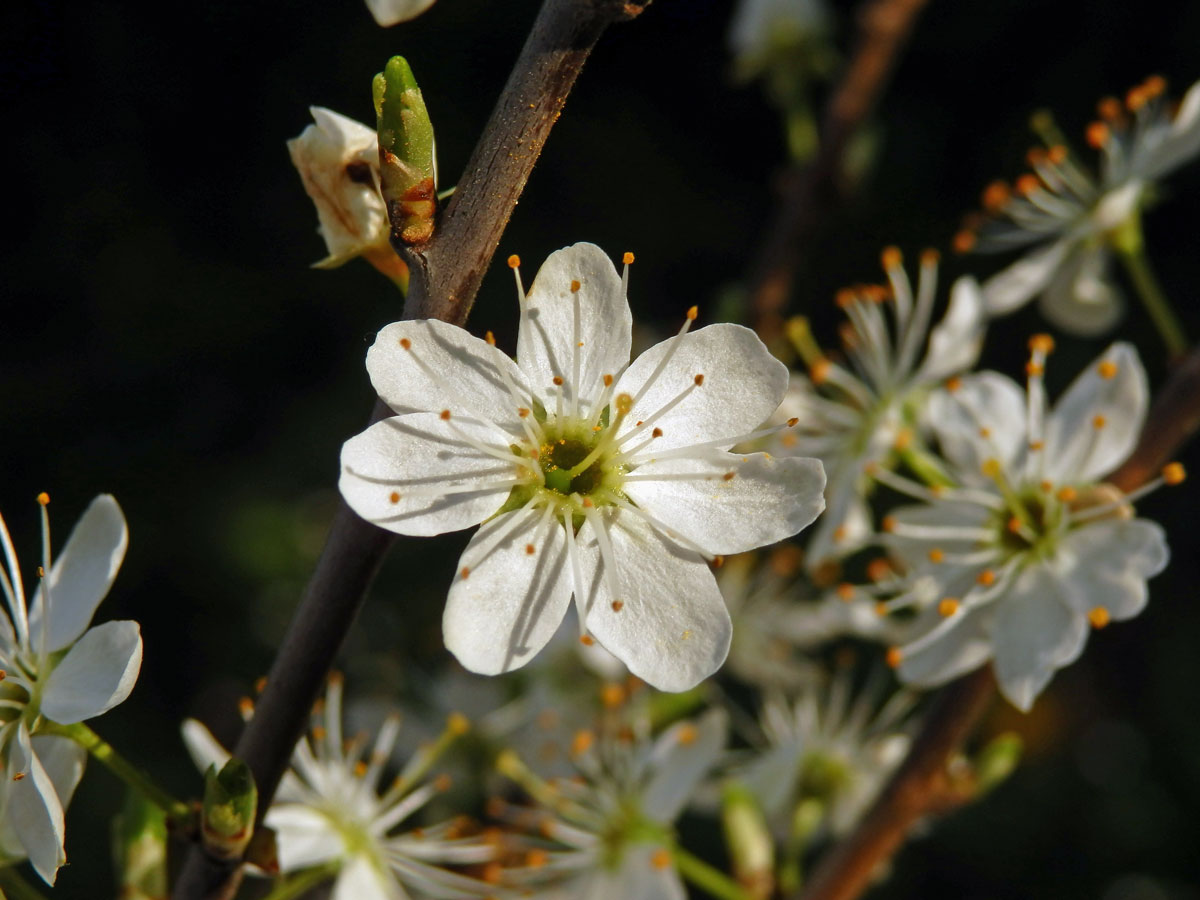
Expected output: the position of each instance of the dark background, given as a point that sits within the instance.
(163, 339)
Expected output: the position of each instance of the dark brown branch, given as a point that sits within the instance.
(920, 787)
(809, 194)
(446, 274)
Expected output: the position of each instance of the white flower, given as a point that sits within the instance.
(389, 12)
(762, 29)
(593, 476)
(865, 414)
(827, 747)
(1071, 218)
(332, 807)
(62, 760)
(611, 826)
(779, 619)
(1013, 563)
(338, 161)
(57, 670)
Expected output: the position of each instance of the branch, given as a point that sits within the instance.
(446, 273)
(809, 195)
(919, 787)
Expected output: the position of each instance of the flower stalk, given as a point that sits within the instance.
(1131, 250)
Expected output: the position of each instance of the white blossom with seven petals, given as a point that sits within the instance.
(1013, 563)
(593, 476)
(58, 670)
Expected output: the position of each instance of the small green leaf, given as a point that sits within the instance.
(407, 155)
(227, 816)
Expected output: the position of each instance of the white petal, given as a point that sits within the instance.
(34, 806)
(914, 550)
(672, 629)
(1106, 565)
(360, 879)
(1077, 450)
(202, 747)
(955, 342)
(445, 367)
(682, 756)
(389, 470)
(305, 837)
(743, 384)
(97, 673)
(552, 345)
(962, 648)
(82, 573)
(847, 519)
(739, 503)
(1183, 142)
(636, 878)
(511, 601)
(982, 418)
(1020, 282)
(389, 12)
(1036, 632)
(1082, 298)
(64, 761)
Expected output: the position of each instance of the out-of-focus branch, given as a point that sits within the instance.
(447, 271)
(921, 786)
(809, 194)
(446, 274)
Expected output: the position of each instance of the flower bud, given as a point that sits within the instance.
(407, 161)
(227, 816)
(748, 840)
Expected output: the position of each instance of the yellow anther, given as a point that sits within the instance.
(819, 371)
(1099, 616)
(360, 769)
(522, 412)
(894, 657)
(1099, 421)
(514, 261)
(624, 404)
(903, 439)
(457, 723)
(881, 609)
(891, 257)
(660, 859)
(991, 467)
(587, 640)
(936, 555)
(1107, 369)
(43, 499)
(612, 695)
(688, 734)
(490, 338)
(1035, 446)
(1014, 525)
(987, 578)
(582, 742)
(627, 258)
(1173, 473)
(608, 380)
(947, 607)
(985, 432)
(1041, 343)
(692, 313)
(575, 286)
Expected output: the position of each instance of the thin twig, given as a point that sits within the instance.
(809, 194)
(919, 787)
(446, 274)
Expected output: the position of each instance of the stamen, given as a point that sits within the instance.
(608, 558)
(692, 313)
(627, 259)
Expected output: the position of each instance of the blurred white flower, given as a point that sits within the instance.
(761, 29)
(56, 670)
(1014, 562)
(827, 748)
(609, 830)
(849, 417)
(1071, 219)
(389, 12)
(332, 807)
(338, 161)
(592, 475)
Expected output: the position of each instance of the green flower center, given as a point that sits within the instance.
(561, 458)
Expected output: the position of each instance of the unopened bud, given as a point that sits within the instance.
(227, 815)
(407, 161)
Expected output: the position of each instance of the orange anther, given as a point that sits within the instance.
(1097, 135)
(406, 343)
(575, 286)
(1026, 184)
(1109, 108)
(1107, 369)
(582, 742)
(1067, 494)
(964, 241)
(936, 555)
(947, 607)
(718, 561)
(894, 657)
(688, 734)
(557, 379)
(845, 591)
(465, 571)
(878, 569)
(490, 338)
(996, 196)
(692, 313)
(587, 640)
(699, 380)
(888, 523)
(953, 383)
(1034, 369)
(660, 859)
(819, 371)
(530, 549)
(514, 261)
(891, 257)
(394, 497)
(1099, 421)
(537, 857)
(618, 605)
(1099, 616)
(1057, 154)
(627, 258)
(987, 578)
(1041, 343)
(1173, 473)
(445, 415)
(612, 695)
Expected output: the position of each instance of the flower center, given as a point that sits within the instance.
(560, 461)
